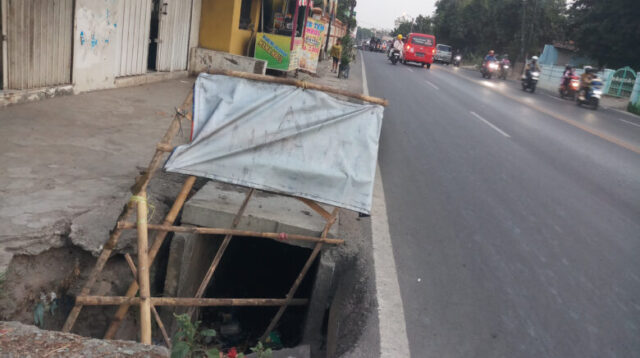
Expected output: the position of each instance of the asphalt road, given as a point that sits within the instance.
(514, 217)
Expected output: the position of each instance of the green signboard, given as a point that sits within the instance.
(275, 49)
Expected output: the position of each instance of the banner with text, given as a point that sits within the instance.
(313, 38)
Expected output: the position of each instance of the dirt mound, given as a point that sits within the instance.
(20, 340)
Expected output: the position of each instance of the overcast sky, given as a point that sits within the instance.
(381, 13)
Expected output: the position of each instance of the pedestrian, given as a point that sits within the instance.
(336, 53)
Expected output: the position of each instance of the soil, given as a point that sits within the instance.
(19, 340)
(62, 271)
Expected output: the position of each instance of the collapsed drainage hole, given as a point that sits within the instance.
(258, 268)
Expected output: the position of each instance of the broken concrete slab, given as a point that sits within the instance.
(20, 340)
(216, 204)
(72, 159)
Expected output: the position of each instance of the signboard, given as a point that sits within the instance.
(296, 52)
(313, 39)
(275, 49)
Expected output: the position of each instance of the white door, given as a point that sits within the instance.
(38, 42)
(173, 35)
(135, 20)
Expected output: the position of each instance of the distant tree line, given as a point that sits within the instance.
(605, 30)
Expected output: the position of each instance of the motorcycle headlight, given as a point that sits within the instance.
(599, 92)
(458, 58)
(535, 74)
(493, 65)
(506, 66)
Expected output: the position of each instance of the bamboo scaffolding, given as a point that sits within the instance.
(246, 233)
(143, 270)
(221, 250)
(301, 275)
(153, 252)
(156, 316)
(187, 301)
(115, 233)
(301, 84)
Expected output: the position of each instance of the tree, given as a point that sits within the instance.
(607, 30)
(345, 14)
(479, 25)
(363, 33)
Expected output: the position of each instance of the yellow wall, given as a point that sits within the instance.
(219, 25)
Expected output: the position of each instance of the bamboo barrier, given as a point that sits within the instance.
(221, 250)
(115, 233)
(155, 247)
(187, 301)
(247, 233)
(301, 84)
(143, 270)
(301, 275)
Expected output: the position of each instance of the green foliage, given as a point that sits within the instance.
(347, 50)
(634, 108)
(607, 30)
(476, 26)
(261, 351)
(421, 24)
(344, 13)
(188, 341)
(363, 33)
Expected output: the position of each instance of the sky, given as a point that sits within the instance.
(381, 13)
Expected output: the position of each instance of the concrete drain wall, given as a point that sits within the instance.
(251, 267)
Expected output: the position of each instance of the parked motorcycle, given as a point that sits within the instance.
(504, 69)
(394, 55)
(489, 68)
(456, 60)
(571, 90)
(530, 81)
(592, 95)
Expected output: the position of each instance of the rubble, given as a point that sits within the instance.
(21, 340)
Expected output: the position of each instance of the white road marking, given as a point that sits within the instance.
(490, 124)
(626, 121)
(432, 85)
(409, 69)
(392, 327)
(554, 97)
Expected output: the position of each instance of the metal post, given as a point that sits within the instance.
(294, 25)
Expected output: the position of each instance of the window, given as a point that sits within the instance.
(424, 41)
(444, 48)
(245, 14)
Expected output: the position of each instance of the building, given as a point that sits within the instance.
(81, 45)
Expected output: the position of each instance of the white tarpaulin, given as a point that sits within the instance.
(283, 139)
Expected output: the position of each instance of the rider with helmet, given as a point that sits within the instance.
(397, 43)
(585, 81)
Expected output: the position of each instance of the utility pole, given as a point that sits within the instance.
(524, 7)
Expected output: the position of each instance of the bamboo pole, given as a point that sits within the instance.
(143, 271)
(303, 273)
(315, 207)
(187, 301)
(156, 316)
(298, 83)
(221, 250)
(153, 251)
(233, 232)
(124, 215)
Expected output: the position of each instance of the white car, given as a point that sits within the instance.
(443, 54)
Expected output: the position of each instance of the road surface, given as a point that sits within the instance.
(514, 217)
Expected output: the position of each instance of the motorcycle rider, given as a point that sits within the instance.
(397, 43)
(566, 76)
(489, 57)
(585, 82)
(532, 66)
